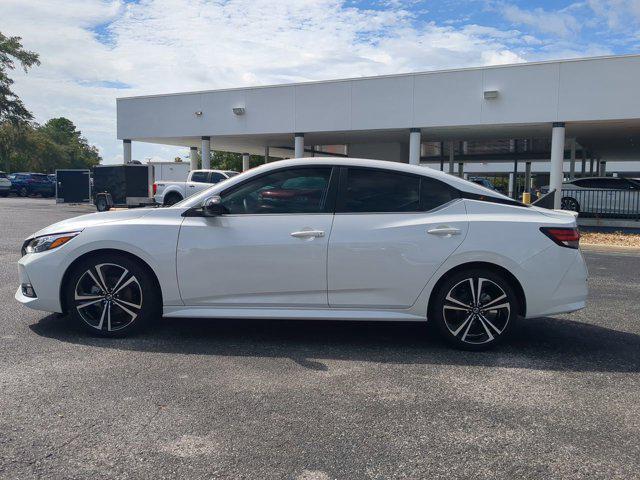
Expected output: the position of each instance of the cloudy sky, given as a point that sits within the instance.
(94, 51)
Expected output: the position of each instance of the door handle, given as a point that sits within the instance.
(308, 234)
(444, 231)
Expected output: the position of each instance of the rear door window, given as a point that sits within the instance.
(434, 193)
(380, 191)
(384, 191)
(217, 177)
(202, 177)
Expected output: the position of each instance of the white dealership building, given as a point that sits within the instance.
(559, 118)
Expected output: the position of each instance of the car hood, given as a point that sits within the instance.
(85, 221)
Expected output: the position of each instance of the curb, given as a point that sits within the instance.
(608, 248)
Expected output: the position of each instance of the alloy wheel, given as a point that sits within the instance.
(108, 297)
(476, 311)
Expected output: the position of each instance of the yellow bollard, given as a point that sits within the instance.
(526, 198)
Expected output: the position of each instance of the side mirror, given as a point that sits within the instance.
(212, 206)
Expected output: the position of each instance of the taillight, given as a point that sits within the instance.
(563, 236)
(155, 188)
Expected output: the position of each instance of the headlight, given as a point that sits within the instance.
(47, 242)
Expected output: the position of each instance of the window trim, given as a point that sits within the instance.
(342, 190)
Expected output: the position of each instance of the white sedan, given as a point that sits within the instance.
(315, 239)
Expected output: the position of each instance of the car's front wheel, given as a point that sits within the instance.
(23, 192)
(112, 295)
(474, 309)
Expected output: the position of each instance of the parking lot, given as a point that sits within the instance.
(317, 400)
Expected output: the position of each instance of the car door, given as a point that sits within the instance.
(390, 234)
(269, 249)
(199, 181)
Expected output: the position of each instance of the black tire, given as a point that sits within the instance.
(23, 192)
(172, 199)
(131, 301)
(465, 324)
(4, 194)
(570, 203)
(101, 204)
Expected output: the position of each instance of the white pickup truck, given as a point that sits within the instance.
(168, 193)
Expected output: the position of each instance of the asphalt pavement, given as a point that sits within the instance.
(237, 399)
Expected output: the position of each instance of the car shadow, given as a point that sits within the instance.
(553, 344)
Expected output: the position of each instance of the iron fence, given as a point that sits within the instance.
(603, 203)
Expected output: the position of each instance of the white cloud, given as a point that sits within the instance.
(554, 22)
(617, 13)
(157, 46)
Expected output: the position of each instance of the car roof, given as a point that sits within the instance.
(597, 178)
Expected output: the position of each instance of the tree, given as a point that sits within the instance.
(56, 144)
(233, 161)
(11, 52)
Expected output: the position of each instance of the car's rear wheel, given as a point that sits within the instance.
(475, 309)
(172, 199)
(112, 295)
(569, 203)
(23, 192)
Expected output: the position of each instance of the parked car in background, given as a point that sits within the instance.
(5, 185)
(329, 238)
(600, 195)
(485, 182)
(25, 184)
(170, 193)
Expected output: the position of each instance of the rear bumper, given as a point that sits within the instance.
(563, 294)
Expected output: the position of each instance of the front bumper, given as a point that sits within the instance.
(42, 271)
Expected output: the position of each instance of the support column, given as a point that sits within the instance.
(193, 158)
(515, 179)
(584, 161)
(414, 146)
(527, 177)
(603, 168)
(451, 157)
(461, 169)
(298, 145)
(557, 160)
(572, 159)
(511, 183)
(266, 154)
(126, 151)
(591, 167)
(245, 162)
(206, 153)
(442, 156)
